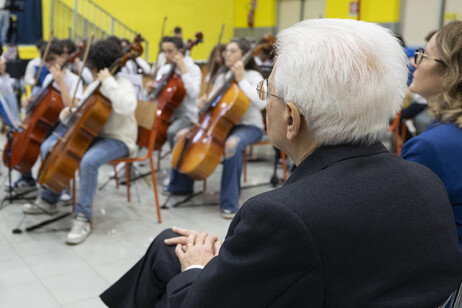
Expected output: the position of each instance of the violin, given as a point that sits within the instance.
(85, 123)
(168, 96)
(199, 151)
(41, 116)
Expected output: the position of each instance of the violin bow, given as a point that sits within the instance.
(84, 62)
(209, 83)
(42, 60)
(159, 51)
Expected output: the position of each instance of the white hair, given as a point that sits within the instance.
(348, 78)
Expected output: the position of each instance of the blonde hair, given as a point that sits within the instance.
(448, 105)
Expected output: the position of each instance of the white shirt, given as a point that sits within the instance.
(192, 84)
(131, 67)
(121, 124)
(29, 75)
(248, 85)
(70, 79)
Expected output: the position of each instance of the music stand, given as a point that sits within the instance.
(13, 125)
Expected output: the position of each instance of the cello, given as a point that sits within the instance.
(168, 95)
(41, 115)
(199, 151)
(84, 125)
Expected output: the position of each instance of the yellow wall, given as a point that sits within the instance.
(265, 13)
(146, 16)
(383, 11)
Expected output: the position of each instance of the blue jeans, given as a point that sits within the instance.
(45, 148)
(232, 169)
(4, 25)
(101, 151)
(12, 103)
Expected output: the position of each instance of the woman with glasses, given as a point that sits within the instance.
(247, 131)
(438, 78)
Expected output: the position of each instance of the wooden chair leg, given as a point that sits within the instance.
(158, 159)
(115, 176)
(204, 185)
(154, 185)
(127, 176)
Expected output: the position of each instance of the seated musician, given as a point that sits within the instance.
(6, 90)
(66, 83)
(354, 225)
(215, 62)
(247, 131)
(132, 66)
(33, 67)
(116, 139)
(187, 112)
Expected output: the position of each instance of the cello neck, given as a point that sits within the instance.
(164, 81)
(245, 59)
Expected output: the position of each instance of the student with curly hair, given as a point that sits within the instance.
(116, 139)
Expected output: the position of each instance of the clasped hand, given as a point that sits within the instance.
(194, 248)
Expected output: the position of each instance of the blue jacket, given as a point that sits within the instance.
(440, 149)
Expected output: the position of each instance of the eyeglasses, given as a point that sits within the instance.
(262, 91)
(420, 54)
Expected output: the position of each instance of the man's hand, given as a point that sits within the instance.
(104, 74)
(238, 70)
(199, 250)
(194, 248)
(183, 238)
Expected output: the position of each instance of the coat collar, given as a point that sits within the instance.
(326, 155)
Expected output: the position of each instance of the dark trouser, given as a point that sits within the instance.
(144, 284)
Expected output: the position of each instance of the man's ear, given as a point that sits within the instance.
(292, 119)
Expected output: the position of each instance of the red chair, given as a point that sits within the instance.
(147, 123)
(399, 137)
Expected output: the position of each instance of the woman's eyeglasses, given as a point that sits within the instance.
(420, 54)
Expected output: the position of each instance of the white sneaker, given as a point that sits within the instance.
(166, 181)
(21, 186)
(39, 206)
(120, 169)
(80, 230)
(65, 198)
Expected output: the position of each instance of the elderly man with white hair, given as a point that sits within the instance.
(354, 226)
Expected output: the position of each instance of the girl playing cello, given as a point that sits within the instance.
(66, 83)
(116, 139)
(247, 131)
(187, 112)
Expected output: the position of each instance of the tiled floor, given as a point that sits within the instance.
(37, 269)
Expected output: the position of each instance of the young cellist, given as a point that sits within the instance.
(66, 83)
(116, 139)
(247, 131)
(187, 112)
